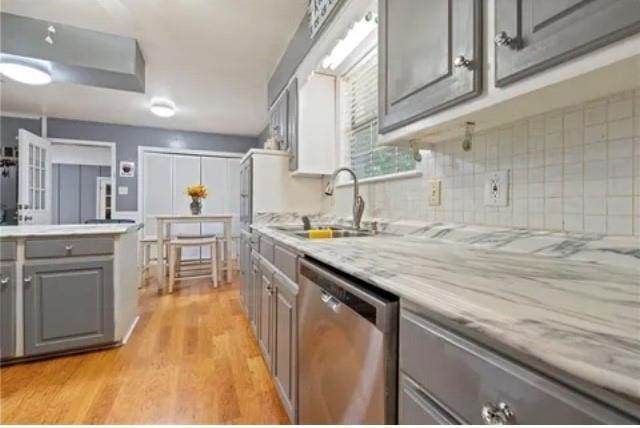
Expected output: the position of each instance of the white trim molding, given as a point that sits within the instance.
(111, 145)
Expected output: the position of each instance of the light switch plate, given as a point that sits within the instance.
(496, 189)
(435, 191)
(123, 190)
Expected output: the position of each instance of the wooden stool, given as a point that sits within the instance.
(144, 257)
(188, 271)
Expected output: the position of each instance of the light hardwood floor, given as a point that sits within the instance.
(191, 359)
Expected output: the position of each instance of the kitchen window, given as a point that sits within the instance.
(360, 97)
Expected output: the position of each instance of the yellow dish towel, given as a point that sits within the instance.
(320, 234)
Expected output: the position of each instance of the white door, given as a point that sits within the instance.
(186, 172)
(34, 180)
(104, 200)
(157, 182)
(214, 176)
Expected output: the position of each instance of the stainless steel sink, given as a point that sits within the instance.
(338, 231)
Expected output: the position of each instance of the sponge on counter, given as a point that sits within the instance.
(320, 234)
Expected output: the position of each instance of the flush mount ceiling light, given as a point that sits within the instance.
(163, 108)
(23, 73)
(352, 40)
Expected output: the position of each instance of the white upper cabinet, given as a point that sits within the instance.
(316, 145)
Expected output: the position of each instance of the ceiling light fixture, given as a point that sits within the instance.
(24, 73)
(356, 34)
(163, 108)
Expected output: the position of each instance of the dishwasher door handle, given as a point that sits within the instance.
(330, 301)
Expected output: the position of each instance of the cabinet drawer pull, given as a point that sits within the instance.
(497, 414)
(462, 62)
(4, 281)
(68, 247)
(28, 279)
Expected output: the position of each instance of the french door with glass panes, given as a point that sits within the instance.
(34, 179)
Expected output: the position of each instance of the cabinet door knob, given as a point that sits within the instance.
(4, 281)
(461, 61)
(28, 279)
(497, 414)
(503, 39)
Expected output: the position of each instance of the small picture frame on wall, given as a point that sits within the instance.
(127, 169)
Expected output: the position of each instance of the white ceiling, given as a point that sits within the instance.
(213, 58)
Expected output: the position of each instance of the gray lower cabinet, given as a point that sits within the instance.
(8, 309)
(430, 57)
(292, 124)
(285, 364)
(245, 271)
(254, 292)
(265, 330)
(478, 386)
(533, 35)
(68, 304)
(416, 408)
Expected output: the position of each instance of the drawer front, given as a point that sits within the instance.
(417, 409)
(7, 250)
(465, 377)
(286, 262)
(266, 248)
(45, 248)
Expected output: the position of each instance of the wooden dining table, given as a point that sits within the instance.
(164, 223)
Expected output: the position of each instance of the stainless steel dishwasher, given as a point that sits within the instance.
(347, 349)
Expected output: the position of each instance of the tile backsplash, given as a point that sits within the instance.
(575, 169)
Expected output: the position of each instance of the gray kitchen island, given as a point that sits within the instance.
(66, 288)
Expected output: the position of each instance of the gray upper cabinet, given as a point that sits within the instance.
(7, 310)
(278, 120)
(285, 348)
(292, 124)
(533, 35)
(68, 304)
(430, 57)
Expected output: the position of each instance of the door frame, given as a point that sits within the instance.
(93, 143)
(171, 151)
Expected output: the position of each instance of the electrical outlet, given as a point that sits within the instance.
(435, 187)
(496, 189)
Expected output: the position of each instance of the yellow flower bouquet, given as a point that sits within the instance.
(197, 192)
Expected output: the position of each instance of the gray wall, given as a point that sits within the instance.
(9, 137)
(74, 192)
(298, 47)
(129, 138)
(262, 136)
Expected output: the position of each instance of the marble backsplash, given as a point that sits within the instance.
(575, 169)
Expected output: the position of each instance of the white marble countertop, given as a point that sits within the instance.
(582, 317)
(67, 230)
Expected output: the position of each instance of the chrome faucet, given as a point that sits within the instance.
(358, 202)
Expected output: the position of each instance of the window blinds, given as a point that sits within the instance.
(360, 86)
